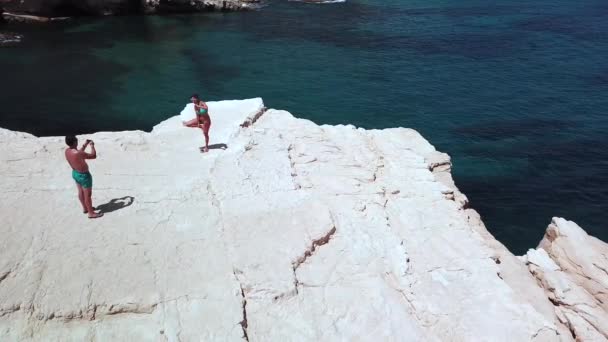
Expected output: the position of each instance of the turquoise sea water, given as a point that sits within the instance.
(515, 91)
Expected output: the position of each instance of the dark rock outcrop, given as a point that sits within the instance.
(168, 6)
(54, 8)
(50, 8)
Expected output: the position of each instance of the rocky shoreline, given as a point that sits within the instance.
(294, 232)
(51, 10)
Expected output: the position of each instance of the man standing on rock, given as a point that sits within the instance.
(76, 157)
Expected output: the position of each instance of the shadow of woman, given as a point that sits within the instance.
(116, 204)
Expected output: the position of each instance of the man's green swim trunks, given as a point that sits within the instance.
(84, 179)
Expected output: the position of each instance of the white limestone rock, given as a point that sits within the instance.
(294, 232)
(581, 255)
(572, 268)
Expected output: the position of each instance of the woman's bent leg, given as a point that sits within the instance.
(191, 123)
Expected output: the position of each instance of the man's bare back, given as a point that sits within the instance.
(76, 157)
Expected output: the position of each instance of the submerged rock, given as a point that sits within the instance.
(294, 232)
(7, 38)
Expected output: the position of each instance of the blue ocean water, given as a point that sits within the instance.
(515, 91)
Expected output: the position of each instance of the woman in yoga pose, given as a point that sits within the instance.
(202, 120)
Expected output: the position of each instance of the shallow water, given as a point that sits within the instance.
(516, 91)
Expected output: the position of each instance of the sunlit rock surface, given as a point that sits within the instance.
(284, 231)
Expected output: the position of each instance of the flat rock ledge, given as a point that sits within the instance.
(27, 18)
(285, 231)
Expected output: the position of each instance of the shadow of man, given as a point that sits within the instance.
(218, 146)
(116, 204)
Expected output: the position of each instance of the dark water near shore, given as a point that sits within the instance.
(515, 91)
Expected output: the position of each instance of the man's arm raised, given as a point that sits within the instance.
(84, 146)
(93, 153)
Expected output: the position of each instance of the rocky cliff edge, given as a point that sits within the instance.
(285, 231)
